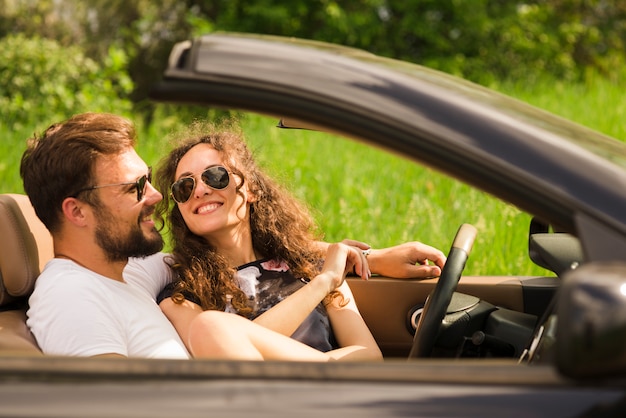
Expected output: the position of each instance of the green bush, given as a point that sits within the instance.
(41, 81)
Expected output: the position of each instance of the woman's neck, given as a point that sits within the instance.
(236, 247)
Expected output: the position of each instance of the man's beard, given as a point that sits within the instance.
(134, 243)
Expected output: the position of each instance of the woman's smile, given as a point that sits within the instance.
(209, 207)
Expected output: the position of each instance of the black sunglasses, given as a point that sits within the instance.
(140, 184)
(215, 177)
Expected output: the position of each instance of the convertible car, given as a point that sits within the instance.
(458, 346)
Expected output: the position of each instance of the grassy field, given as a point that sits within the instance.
(370, 195)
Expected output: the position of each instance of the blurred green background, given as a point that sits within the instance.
(61, 57)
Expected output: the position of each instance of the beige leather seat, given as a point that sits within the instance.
(25, 247)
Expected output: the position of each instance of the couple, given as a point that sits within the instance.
(242, 252)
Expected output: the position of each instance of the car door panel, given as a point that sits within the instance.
(385, 302)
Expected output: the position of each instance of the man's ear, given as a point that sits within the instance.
(74, 211)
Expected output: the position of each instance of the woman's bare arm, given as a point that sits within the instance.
(353, 335)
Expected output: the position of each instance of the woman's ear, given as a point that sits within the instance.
(251, 197)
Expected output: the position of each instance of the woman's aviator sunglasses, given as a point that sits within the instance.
(216, 177)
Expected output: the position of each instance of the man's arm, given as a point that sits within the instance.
(409, 260)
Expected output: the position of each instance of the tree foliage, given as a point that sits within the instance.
(483, 40)
(40, 79)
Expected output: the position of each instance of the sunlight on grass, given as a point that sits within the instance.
(363, 193)
(359, 192)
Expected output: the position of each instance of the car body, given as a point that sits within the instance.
(550, 346)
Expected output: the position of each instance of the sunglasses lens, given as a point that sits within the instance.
(216, 177)
(141, 187)
(182, 189)
(142, 183)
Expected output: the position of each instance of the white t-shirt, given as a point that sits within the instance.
(76, 312)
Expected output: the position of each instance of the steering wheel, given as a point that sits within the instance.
(437, 302)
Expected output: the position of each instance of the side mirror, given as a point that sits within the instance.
(558, 252)
(591, 315)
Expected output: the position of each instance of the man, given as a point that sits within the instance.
(93, 193)
(97, 296)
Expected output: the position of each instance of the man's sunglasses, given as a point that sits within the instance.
(215, 177)
(140, 184)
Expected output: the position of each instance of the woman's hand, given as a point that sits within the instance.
(342, 259)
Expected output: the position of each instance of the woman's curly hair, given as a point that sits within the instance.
(281, 226)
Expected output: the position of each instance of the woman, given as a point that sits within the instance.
(242, 244)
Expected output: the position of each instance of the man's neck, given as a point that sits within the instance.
(95, 261)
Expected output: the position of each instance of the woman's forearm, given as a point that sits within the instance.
(286, 316)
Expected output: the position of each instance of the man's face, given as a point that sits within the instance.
(125, 227)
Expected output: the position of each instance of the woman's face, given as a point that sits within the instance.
(211, 213)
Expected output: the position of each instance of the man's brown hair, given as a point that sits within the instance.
(60, 162)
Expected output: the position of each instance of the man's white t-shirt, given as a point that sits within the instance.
(76, 312)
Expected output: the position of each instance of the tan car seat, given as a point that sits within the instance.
(25, 247)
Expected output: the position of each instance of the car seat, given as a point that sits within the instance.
(25, 247)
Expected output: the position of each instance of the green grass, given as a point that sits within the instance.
(596, 103)
(367, 194)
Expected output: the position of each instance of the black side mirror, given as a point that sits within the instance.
(555, 251)
(591, 314)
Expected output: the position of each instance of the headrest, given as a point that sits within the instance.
(25, 247)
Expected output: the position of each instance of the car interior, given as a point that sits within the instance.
(490, 316)
(26, 246)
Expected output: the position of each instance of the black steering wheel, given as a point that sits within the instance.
(437, 302)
